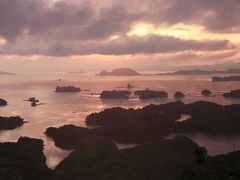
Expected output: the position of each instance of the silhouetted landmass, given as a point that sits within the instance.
(232, 94)
(9, 123)
(96, 157)
(210, 118)
(120, 72)
(23, 160)
(67, 89)
(3, 102)
(221, 167)
(70, 136)
(115, 94)
(6, 73)
(148, 94)
(206, 92)
(179, 95)
(101, 160)
(201, 72)
(156, 121)
(228, 78)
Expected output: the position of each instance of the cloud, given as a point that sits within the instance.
(83, 27)
(151, 44)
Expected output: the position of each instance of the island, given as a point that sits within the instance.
(6, 73)
(76, 72)
(232, 94)
(202, 72)
(150, 94)
(179, 95)
(70, 89)
(120, 72)
(228, 78)
(3, 102)
(9, 123)
(206, 92)
(115, 94)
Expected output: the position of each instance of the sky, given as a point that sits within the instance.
(90, 35)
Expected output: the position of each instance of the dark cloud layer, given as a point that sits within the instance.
(35, 27)
(128, 45)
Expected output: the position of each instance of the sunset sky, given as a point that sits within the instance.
(164, 35)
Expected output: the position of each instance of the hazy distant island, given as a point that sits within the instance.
(6, 73)
(201, 72)
(70, 89)
(228, 78)
(76, 72)
(120, 72)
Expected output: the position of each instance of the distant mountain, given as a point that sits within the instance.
(120, 72)
(6, 73)
(199, 72)
(76, 72)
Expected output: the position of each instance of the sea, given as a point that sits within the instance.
(60, 109)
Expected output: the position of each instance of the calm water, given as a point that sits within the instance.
(61, 109)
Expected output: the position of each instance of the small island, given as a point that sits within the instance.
(150, 94)
(228, 78)
(232, 94)
(115, 94)
(206, 92)
(120, 72)
(179, 95)
(9, 123)
(65, 89)
(3, 102)
(6, 73)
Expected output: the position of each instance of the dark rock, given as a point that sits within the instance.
(232, 94)
(206, 92)
(148, 94)
(33, 99)
(119, 72)
(115, 94)
(3, 102)
(179, 95)
(9, 123)
(67, 89)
